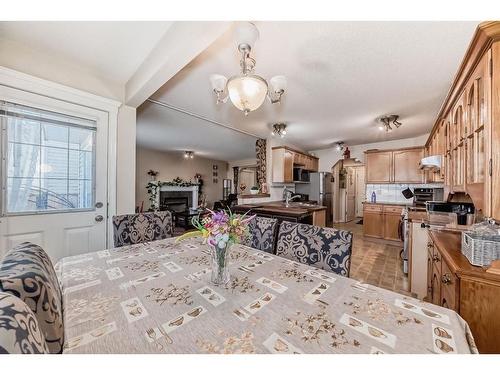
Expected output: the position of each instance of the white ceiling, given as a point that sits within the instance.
(163, 129)
(112, 49)
(341, 77)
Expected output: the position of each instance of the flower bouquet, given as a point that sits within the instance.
(220, 230)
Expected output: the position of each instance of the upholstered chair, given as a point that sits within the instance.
(144, 227)
(325, 248)
(262, 233)
(27, 273)
(19, 329)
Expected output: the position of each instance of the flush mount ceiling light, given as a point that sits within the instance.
(247, 90)
(387, 121)
(339, 146)
(188, 154)
(279, 129)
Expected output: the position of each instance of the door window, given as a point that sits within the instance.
(48, 161)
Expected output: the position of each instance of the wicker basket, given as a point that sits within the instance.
(480, 250)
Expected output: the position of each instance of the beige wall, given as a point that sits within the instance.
(172, 165)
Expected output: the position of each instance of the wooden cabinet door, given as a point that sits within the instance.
(379, 167)
(391, 226)
(373, 221)
(458, 144)
(405, 164)
(314, 164)
(288, 166)
(429, 275)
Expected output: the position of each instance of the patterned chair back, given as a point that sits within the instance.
(325, 248)
(19, 329)
(262, 234)
(27, 273)
(144, 227)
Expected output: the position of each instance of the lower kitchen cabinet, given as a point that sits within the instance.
(469, 290)
(381, 221)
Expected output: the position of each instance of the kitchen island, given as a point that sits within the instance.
(298, 212)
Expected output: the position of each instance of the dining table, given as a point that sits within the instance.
(157, 297)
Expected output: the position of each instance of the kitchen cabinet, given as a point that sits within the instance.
(394, 166)
(468, 124)
(405, 164)
(469, 290)
(381, 221)
(391, 219)
(373, 221)
(378, 167)
(284, 159)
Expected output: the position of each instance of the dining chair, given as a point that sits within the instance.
(20, 332)
(325, 248)
(27, 273)
(137, 228)
(262, 233)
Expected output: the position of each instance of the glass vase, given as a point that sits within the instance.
(220, 271)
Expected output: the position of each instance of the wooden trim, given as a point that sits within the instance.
(294, 150)
(486, 33)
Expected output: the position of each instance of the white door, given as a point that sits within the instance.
(360, 190)
(53, 174)
(350, 194)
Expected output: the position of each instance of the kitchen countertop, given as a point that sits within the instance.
(450, 244)
(295, 209)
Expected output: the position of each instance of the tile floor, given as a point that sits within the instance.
(375, 262)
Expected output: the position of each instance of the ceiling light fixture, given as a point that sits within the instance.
(247, 90)
(279, 129)
(339, 146)
(188, 154)
(387, 121)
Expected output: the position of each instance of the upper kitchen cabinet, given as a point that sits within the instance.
(394, 166)
(470, 118)
(284, 159)
(406, 165)
(378, 167)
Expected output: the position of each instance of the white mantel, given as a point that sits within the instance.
(193, 189)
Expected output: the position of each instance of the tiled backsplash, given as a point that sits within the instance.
(392, 192)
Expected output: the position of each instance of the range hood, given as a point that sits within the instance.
(431, 162)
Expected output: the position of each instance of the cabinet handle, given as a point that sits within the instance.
(446, 279)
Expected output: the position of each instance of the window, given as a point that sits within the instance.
(49, 161)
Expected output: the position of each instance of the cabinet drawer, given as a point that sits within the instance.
(372, 207)
(449, 288)
(393, 209)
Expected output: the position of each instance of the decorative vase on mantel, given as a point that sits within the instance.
(219, 259)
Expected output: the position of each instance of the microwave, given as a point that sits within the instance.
(300, 175)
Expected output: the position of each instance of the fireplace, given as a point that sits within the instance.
(176, 204)
(178, 198)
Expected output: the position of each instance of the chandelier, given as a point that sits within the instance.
(247, 90)
(279, 129)
(387, 121)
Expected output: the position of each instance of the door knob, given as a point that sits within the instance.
(99, 218)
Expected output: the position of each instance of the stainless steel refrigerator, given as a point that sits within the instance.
(319, 189)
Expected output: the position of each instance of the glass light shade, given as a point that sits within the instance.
(278, 83)
(246, 33)
(247, 92)
(218, 82)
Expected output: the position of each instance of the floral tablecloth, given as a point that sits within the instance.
(157, 298)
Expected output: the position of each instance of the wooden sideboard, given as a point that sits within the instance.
(284, 159)
(394, 166)
(454, 283)
(466, 132)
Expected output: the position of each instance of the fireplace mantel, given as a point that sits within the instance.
(193, 189)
